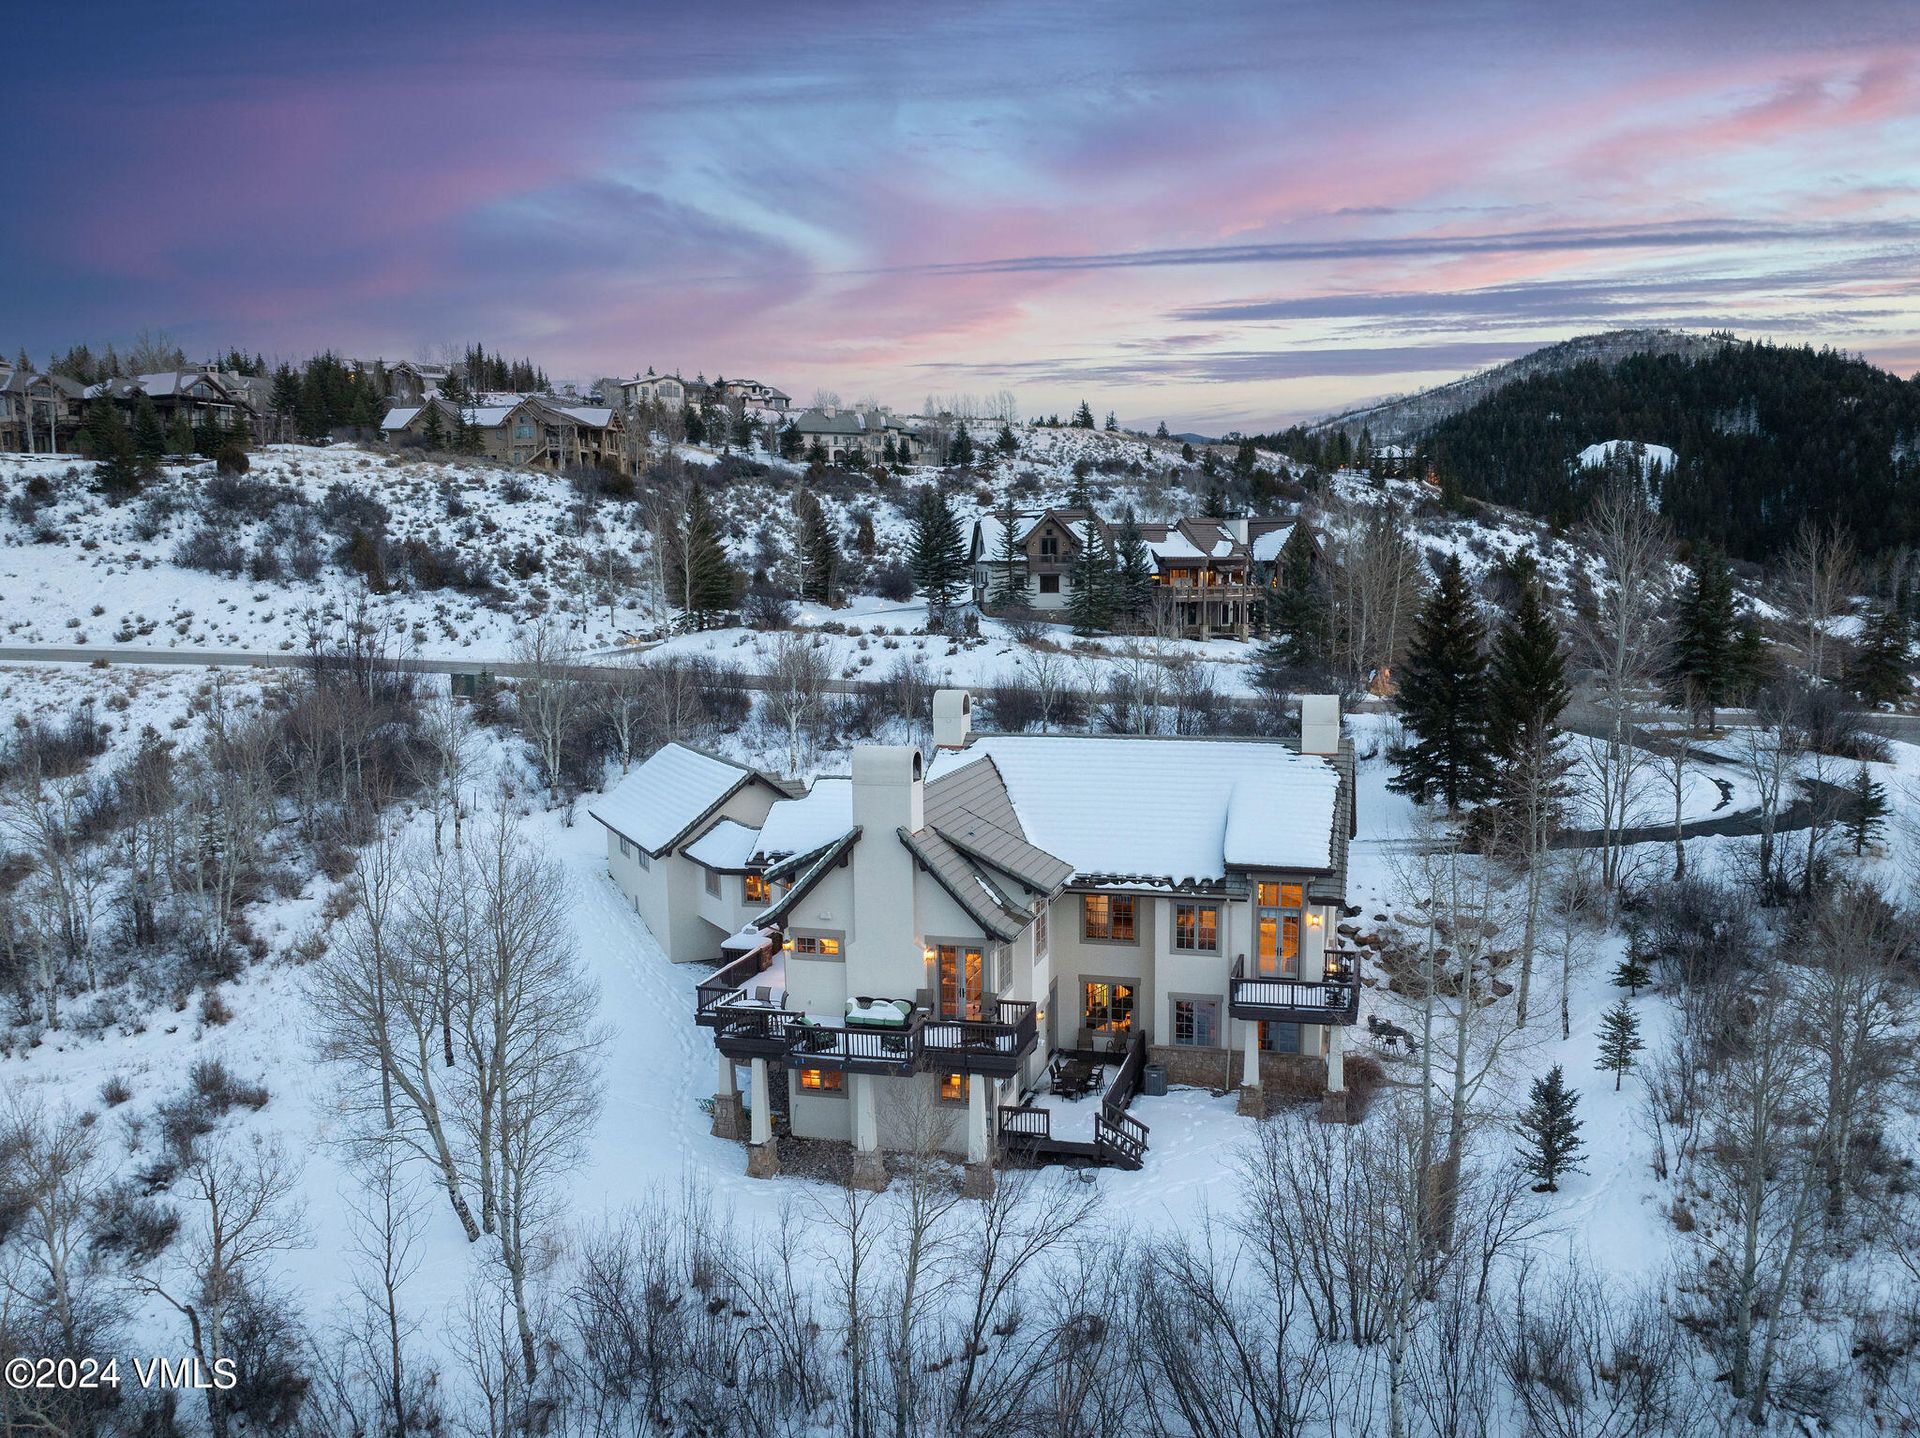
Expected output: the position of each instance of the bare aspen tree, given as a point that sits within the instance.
(387, 1231)
(549, 695)
(50, 1179)
(921, 1237)
(796, 689)
(444, 768)
(624, 695)
(245, 1206)
(1049, 672)
(1818, 577)
(1535, 797)
(854, 1222)
(1620, 638)
(1769, 750)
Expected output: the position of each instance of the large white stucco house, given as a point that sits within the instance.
(907, 949)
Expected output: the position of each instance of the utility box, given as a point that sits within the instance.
(1153, 1080)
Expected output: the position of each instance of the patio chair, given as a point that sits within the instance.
(762, 994)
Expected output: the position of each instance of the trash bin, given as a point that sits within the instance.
(1153, 1080)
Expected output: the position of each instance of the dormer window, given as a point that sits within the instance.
(1049, 546)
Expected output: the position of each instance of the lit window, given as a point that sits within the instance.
(1107, 916)
(1196, 927)
(1277, 928)
(822, 1080)
(953, 1088)
(755, 889)
(818, 945)
(1108, 1008)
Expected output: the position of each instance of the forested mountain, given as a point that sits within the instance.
(1765, 437)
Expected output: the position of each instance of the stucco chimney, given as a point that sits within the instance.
(887, 789)
(830, 411)
(1238, 529)
(952, 718)
(1320, 724)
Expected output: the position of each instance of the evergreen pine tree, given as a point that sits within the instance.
(149, 436)
(1160, 431)
(819, 551)
(1633, 973)
(1133, 569)
(1867, 809)
(701, 578)
(1113, 425)
(1090, 606)
(1704, 665)
(889, 452)
(1083, 416)
(693, 424)
(817, 452)
(1619, 1041)
(1443, 699)
(180, 437)
(1527, 676)
(863, 539)
(1550, 1143)
(434, 431)
(1297, 619)
(1880, 672)
(1751, 661)
(1010, 572)
(1078, 495)
(117, 471)
(960, 451)
(936, 555)
(1007, 442)
(1186, 452)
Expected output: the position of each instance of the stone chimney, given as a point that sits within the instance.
(952, 718)
(1319, 724)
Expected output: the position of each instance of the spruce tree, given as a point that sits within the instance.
(1527, 675)
(1298, 609)
(960, 451)
(1633, 973)
(1619, 1042)
(1443, 700)
(1160, 430)
(819, 551)
(817, 452)
(1704, 666)
(936, 555)
(1007, 442)
(1880, 672)
(149, 436)
(116, 466)
(1090, 606)
(434, 431)
(1010, 572)
(702, 579)
(1113, 425)
(1083, 416)
(1078, 495)
(180, 437)
(1550, 1143)
(1133, 568)
(1867, 809)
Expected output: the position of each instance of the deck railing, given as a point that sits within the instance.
(830, 1044)
(1117, 1133)
(727, 980)
(1024, 1121)
(1334, 999)
(999, 1042)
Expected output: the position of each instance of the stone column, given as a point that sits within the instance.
(869, 1169)
(763, 1152)
(1253, 1101)
(978, 1180)
(1333, 1107)
(728, 1119)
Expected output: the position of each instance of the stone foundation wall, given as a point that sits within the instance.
(1303, 1075)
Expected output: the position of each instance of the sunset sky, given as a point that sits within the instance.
(1220, 215)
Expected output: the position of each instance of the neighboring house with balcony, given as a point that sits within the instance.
(1210, 575)
(526, 431)
(39, 413)
(855, 436)
(206, 397)
(753, 394)
(665, 390)
(921, 948)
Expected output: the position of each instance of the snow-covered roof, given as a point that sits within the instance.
(1266, 547)
(661, 799)
(799, 826)
(593, 416)
(727, 845)
(400, 416)
(1171, 809)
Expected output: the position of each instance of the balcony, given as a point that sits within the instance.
(855, 1048)
(995, 1046)
(727, 982)
(1334, 999)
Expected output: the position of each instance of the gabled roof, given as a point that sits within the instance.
(666, 798)
(1163, 811)
(800, 826)
(813, 868)
(727, 846)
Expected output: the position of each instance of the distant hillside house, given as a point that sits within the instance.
(752, 394)
(410, 383)
(39, 413)
(205, 397)
(527, 432)
(857, 436)
(1209, 574)
(650, 388)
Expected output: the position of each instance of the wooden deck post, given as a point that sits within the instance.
(728, 1119)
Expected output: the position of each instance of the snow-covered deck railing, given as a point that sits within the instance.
(995, 1043)
(856, 1047)
(1334, 999)
(729, 981)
